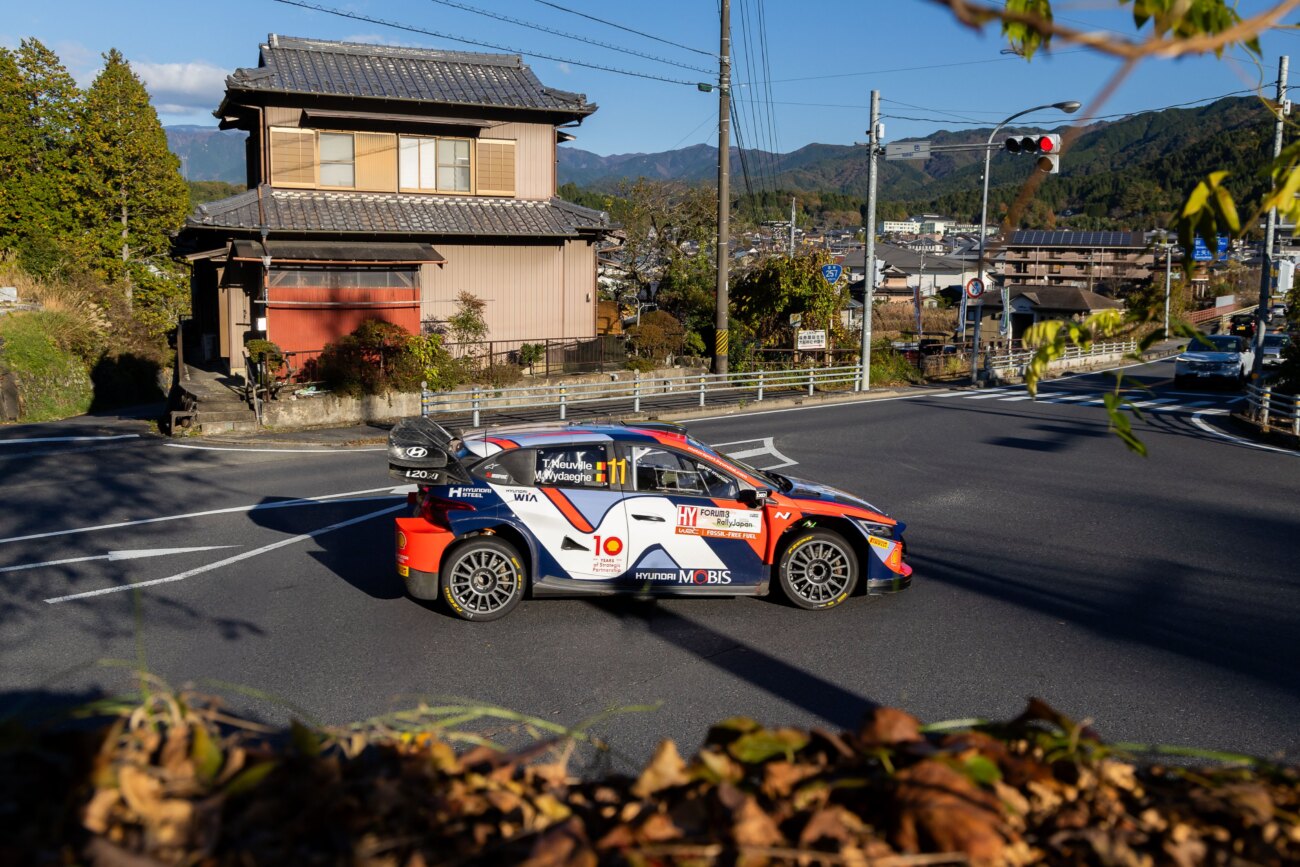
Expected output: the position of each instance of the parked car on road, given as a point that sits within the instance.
(1214, 359)
(599, 510)
(1274, 345)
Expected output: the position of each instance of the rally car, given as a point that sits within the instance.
(644, 509)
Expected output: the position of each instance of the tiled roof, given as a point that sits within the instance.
(1065, 298)
(353, 69)
(336, 213)
(1043, 238)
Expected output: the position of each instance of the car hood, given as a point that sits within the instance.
(802, 489)
(1217, 357)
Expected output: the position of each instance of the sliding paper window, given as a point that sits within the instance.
(434, 165)
(337, 160)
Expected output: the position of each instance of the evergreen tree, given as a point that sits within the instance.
(15, 144)
(131, 192)
(42, 119)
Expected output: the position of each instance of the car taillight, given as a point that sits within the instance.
(434, 510)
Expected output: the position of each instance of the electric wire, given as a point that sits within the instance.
(409, 28)
(627, 29)
(552, 31)
(767, 85)
(753, 108)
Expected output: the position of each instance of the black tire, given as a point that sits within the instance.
(819, 569)
(482, 578)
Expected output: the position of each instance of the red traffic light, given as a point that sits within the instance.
(1046, 144)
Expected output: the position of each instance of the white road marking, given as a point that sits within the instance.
(181, 576)
(989, 395)
(1200, 422)
(341, 450)
(768, 447)
(1056, 397)
(355, 496)
(67, 439)
(113, 556)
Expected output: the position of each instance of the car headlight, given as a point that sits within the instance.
(874, 528)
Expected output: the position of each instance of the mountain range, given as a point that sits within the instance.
(1151, 154)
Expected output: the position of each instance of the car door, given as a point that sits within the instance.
(570, 509)
(687, 531)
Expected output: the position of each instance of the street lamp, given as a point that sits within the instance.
(1069, 107)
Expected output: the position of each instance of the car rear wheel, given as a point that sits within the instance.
(818, 570)
(482, 578)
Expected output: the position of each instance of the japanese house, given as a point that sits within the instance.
(383, 182)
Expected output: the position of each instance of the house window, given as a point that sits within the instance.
(337, 159)
(293, 157)
(343, 278)
(496, 167)
(435, 164)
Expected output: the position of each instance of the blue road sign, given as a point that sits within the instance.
(831, 273)
(1201, 252)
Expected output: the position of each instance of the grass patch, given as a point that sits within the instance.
(52, 380)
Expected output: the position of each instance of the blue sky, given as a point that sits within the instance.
(824, 57)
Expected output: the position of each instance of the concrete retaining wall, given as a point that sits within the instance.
(330, 410)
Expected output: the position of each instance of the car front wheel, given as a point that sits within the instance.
(482, 578)
(818, 570)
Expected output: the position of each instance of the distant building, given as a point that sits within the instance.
(1033, 304)
(899, 227)
(1091, 260)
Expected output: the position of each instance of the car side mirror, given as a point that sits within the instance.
(751, 498)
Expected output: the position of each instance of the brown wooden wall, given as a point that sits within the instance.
(532, 292)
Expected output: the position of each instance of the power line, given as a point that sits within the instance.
(412, 29)
(918, 68)
(544, 29)
(626, 29)
(712, 115)
(1092, 118)
(767, 84)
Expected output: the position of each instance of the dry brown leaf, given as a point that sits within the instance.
(940, 809)
(833, 823)
(751, 826)
(563, 845)
(780, 777)
(142, 791)
(887, 726)
(665, 770)
(95, 816)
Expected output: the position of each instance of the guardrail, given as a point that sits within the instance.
(697, 387)
(1019, 359)
(1269, 409)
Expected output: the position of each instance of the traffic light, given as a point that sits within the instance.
(1047, 146)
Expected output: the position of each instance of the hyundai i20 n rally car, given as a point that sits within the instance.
(584, 510)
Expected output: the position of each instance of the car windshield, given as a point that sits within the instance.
(1278, 340)
(1216, 343)
(781, 483)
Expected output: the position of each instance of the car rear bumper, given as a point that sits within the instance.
(892, 584)
(420, 546)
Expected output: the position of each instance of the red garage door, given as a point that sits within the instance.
(308, 308)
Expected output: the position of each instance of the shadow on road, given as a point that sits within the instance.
(790, 683)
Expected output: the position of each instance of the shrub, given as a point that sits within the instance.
(644, 365)
(375, 358)
(658, 336)
(500, 375)
(530, 354)
(52, 380)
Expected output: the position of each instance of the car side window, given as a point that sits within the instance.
(581, 465)
(514, 467)
(668, 472)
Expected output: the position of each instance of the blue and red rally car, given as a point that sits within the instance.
(602, 509)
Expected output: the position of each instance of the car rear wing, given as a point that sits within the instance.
(422, 451)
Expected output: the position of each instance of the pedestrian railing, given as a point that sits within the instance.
(630, 394)
(1273, 410)
(1018, 360)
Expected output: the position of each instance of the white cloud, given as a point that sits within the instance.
(564, 68)
(182, 88)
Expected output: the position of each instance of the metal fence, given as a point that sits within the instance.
(629, 394)
(555, 354)
(1273, 410)
(1018, 359)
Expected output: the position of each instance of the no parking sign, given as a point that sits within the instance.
(974, 288)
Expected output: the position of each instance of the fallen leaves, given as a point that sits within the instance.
(174, 782)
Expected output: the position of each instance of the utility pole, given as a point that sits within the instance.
(869, 238)
(1266, 269)
(720, 337)
(1169, 276)
(792, 227)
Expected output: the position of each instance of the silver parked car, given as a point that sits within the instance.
(1214, 359)
(1274, 346)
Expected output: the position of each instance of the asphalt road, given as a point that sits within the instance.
(1159, 597)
